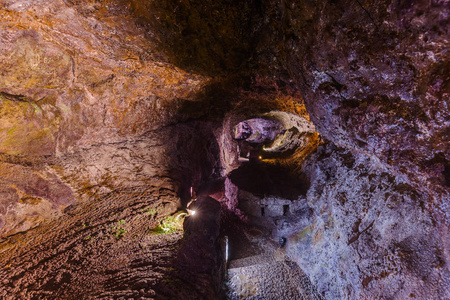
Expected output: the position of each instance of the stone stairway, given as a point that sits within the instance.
(268, 276)
(251, 260)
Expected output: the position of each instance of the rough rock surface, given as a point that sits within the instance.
(380, 86)
(375, 79)
(371, 235)
(269, 280)
(93, 152)
(99, 249)
(102, 102)
(79, 78)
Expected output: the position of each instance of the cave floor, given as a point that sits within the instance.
(259, 269)
(104, 248)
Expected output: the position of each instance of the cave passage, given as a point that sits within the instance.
(222, 149)
(252, 210)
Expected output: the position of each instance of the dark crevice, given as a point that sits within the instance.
(368, 14)
(19, 98)
(269, 180)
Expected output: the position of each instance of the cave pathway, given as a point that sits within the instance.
(267, 276)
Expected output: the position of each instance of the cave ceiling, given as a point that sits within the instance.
(113, 113)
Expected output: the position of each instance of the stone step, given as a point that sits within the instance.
(277, 280)
(251, 260)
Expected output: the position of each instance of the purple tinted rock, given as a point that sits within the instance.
(257, 130)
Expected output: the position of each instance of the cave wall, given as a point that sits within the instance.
(83, 96)
(100, 142)
(91, 101)
(371, 236)
(375, 80)
(374, 77)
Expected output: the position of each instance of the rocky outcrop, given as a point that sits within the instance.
(79, 90)
(374, 77)
(111, 107)
(257, 130)
(371, 235)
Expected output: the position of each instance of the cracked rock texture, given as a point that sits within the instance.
(98, 145)
(111, 110)
(375, 79)
(371, 236)
(80, 82)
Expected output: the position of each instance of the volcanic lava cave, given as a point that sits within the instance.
(226, 149)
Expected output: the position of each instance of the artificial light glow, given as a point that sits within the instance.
(177, 218)
(191, 212)
(260, 157)
(226, 248)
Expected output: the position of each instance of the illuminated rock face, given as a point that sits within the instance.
(92, 104)
(93, 152)
(371, 234)
(378, 87)
(276, 132)
(257, 130)
(372, 76)
(77, 94)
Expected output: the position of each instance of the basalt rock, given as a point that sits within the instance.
(374, 76)
(111, 110)
(371, 235)
(257, 130)
(75, 99)
(87, 109)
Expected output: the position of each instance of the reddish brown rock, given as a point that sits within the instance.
(103, 114)
(70, 81)
(374, 76)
